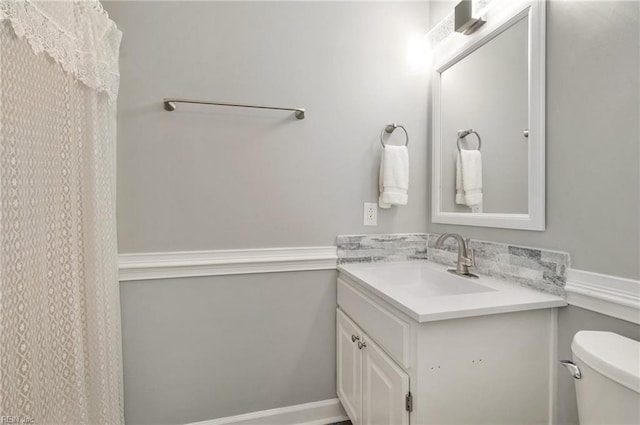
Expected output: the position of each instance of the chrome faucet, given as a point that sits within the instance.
(466, 256)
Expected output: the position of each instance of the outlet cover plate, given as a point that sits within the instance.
(370, 214)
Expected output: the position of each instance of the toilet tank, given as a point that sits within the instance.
(609, 390)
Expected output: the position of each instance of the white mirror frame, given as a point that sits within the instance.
(501, 17)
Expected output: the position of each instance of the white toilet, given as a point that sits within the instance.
(608, 378)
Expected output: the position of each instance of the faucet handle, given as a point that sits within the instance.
(470, 260)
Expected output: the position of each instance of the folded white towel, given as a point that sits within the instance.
(469, 169)
(459, 189)
(394, 176)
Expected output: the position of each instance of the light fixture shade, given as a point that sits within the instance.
(464, 21)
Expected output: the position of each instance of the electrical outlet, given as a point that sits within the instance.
(370, 214)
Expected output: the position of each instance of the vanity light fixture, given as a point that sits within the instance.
(464, 21)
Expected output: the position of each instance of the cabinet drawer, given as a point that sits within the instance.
(390, 331)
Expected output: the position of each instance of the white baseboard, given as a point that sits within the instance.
(316, 413)
(166, 265)
(614, 296)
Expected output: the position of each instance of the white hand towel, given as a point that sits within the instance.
(394, 176)
(471, 161)
(459, 189)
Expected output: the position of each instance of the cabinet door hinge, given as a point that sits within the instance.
(409, 402)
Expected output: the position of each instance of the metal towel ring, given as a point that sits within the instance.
(389, 128)
(464, 133)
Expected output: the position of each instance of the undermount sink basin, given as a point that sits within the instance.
(425, 291)
(426, 281)
(418, 279)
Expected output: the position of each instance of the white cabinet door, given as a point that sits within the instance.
(349, 366)
(384, 388)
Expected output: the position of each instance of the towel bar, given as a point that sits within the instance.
(170, 105)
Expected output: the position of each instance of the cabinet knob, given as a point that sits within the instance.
(361, 345)
(354, 338)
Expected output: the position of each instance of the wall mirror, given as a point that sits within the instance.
(491, 82)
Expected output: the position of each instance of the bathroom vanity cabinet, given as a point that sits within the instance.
(371, 385)
(396, 369)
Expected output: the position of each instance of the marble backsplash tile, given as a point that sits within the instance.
(381, 248)
(539, 269)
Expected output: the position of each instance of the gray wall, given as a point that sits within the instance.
(221, 178)
(593, 181)
(202, 348)
(205, 178)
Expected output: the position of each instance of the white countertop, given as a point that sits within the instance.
(426, 292)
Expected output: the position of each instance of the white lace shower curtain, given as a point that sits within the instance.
(60, 352)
